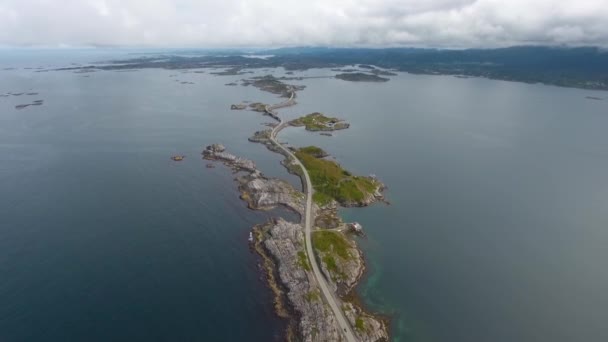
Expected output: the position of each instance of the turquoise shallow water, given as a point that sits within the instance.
(496, 232)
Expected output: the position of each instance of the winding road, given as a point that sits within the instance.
(327, 292)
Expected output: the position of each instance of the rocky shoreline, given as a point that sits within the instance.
(315, 122)
(281, 244)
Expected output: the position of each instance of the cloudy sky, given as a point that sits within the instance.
(224, 23)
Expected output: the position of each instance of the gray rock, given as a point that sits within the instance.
(265, 193)
(238, 106)
(316, 322)
(218, 152)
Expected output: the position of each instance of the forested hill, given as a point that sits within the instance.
(584, 67)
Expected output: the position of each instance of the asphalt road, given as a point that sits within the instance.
(327, 292)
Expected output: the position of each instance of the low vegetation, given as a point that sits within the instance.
(312, 296)
(314, 151)
(331, 242)
(332, 267)
(333, 249)
(332, 182)
(303, 260)
(359, 324)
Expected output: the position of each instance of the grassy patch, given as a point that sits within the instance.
(314, 151)
(331, 242)
(321, 198)
(360, 324)
(331, 265)
(331, 181)
(303, 260)
(312, 296)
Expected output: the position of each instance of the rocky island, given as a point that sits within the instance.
(361, 77)
(319, 122)
(238, 106)
(272, 85)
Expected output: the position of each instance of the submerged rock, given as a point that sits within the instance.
(238, 106)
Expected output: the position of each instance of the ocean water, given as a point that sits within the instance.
(102, 236)
(498, 223)
(496, 229)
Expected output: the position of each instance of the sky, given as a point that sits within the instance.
(272, 23)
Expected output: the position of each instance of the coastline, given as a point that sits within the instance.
(297, 289)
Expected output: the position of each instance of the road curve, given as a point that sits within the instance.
(327, 292)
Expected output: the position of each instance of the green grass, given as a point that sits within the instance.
(321, 198)
(331, 242)
(330, 263)
(303, 260)
(312, 296)
(331, 181)
(314, 151)
(360, 324)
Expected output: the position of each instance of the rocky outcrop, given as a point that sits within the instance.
(260, 192)
(258, 107)
(218, 152)
(281, 246)
(284, 242)
(262, 137)
(344, 272)
(272, 85)
(263, 193)
(238, 106)
(368, 199)
(367, 327)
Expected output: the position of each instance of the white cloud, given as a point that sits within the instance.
(444, 23)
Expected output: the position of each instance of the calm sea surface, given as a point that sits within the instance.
(498, 228)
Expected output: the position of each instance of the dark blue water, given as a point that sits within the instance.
(102, 237)
(496, 232)
(499, 219)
